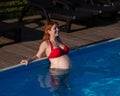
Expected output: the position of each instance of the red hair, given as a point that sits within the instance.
(48, 26)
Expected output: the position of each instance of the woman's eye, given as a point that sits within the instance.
(55, 28)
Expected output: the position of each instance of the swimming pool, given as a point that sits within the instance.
(95, 72)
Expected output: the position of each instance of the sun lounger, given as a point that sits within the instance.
(51, 12)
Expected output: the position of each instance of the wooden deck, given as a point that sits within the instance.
(12, 53)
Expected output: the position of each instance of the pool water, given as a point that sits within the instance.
(95, 72)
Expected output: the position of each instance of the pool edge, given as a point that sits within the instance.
(19, 65)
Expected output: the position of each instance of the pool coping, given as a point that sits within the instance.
(18, 65)
(87, 46)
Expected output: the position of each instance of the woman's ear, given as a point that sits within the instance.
(48, 31)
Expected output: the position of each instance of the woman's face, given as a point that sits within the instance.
(54, 30)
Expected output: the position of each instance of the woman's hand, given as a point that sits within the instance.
(24, 62)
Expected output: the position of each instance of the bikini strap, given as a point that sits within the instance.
(51, 45)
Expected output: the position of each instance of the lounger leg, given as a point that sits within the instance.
(24, 11)
(18, 35)
(68, 25)
(46, 15)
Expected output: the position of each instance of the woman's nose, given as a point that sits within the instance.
(57, 29)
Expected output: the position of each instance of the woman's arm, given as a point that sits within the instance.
(39, 54)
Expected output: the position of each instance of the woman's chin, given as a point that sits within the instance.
(56, 35)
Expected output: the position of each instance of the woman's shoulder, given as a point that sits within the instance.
(46, 42)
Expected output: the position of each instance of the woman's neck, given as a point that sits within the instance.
(54, 39)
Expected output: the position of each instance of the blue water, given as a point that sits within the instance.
(95, 72)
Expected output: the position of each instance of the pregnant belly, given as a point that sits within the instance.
(62, 62)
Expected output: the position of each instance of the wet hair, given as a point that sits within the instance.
(48, 26)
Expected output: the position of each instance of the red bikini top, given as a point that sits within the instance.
(57, 52)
